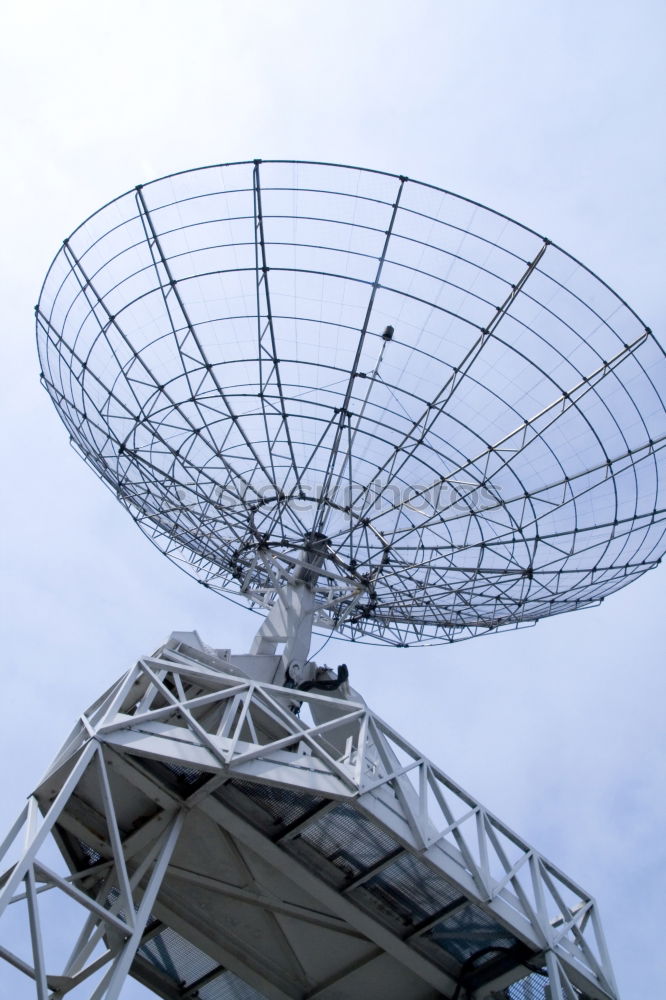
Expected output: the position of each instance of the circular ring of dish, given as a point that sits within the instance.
(259, 354)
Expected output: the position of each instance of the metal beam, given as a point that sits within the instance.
(366, 925)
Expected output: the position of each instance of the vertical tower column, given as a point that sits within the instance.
(291, 618)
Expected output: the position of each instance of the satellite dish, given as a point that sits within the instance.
(434, 416)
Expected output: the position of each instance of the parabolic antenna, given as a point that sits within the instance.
(448, 421)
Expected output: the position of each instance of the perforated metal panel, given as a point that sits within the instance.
(190, 968)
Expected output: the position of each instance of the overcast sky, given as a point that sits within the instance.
(550, 112)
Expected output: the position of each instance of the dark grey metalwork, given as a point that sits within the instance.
(255, 354)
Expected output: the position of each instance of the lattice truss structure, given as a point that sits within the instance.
(213, 843)
(251, 353)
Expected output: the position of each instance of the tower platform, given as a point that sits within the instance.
(226, 838)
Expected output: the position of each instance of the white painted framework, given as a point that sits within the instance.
(179, 752)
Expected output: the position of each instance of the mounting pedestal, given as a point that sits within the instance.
(211, 843)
